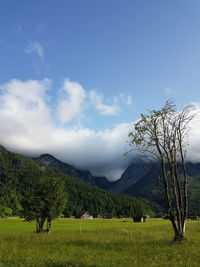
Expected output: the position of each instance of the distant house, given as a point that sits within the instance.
(85, 215)
(139, 218)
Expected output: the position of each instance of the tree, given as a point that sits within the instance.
(162, 137)
(45, 202)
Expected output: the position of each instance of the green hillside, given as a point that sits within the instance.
(148, 188)
(17, 177)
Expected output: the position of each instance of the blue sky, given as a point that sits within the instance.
(99, 64)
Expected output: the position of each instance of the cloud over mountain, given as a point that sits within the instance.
(30, 124)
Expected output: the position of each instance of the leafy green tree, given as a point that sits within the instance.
(161, 136)
(45, 202)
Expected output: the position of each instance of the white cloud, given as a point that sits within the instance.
(25, 100)
(27, 125)
(195, 106)
(129, 100)
(71, 105)
(124, 99)
(97, 100)
(168, 91)
(35, 48)
(24, 112)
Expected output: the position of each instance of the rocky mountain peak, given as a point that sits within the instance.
(47, 159)
(132, 175)
(51, 161)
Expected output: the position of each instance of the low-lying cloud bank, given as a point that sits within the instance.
(31, 125)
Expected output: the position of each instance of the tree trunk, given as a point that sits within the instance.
(184, 223)
(180, 234)
(179, 237)
(48, 226)
(39, 225)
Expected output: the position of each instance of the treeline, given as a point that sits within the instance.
(99, 202)
(17, 179)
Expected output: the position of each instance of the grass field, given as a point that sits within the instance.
(97, 243)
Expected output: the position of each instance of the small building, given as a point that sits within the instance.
(107, 216)
(166, 217)
(85, 215)
(139, 218)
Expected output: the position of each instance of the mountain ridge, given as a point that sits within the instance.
(18, 174)
(139, 180)
(130, 176)
(84, 175)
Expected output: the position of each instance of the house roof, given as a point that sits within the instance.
(82, 213)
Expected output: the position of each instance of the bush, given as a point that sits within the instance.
(5, 211)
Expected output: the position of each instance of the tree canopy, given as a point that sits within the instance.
(46, 201)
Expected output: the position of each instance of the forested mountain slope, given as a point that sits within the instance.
(17, 176)
(85, 175)
(138, 180)
(148, 188)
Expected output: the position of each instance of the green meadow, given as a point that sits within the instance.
(98, 242)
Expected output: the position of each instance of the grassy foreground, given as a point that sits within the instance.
(97, 243)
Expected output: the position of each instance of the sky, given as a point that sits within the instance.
(75, 75)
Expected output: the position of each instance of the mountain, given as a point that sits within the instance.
(17, 175)
(147, 187)
(84, 175)
(17, 178)
(138, 180)
(53, 162)
(131, 176)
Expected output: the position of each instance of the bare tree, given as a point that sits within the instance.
(162, 136)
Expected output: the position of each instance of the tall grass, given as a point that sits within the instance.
(97, 243)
